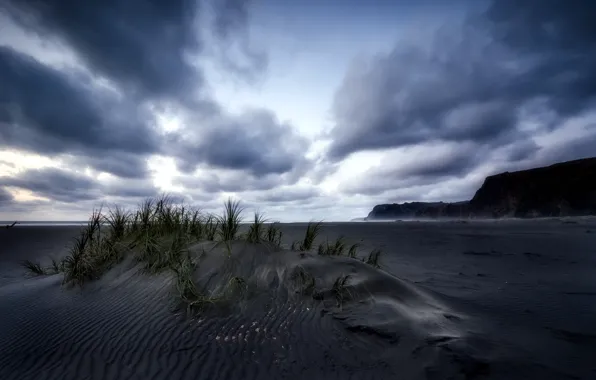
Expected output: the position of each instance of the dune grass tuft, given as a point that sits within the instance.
(305, 282)
(186, 287)
(256, 230)
(211, 226)
(77, 266)
(84, 259)
(373, 258)
(353, 250)
(33, 268)
(229, 222)
(312, 231)
(335, 249)
(56, 266)
(340, 290)
(118, 221)
(274, 234)
(36, 269)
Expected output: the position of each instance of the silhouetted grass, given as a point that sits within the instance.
(33, 268)
(274, 234)
(312, 231)
(304, 281)
(56, 266)
(340, 290)
(167, 253)
(229, 222)
(373, 258)
(118, 220)
(335, 249)
(353, 250)
(186, 287)
(82, 263)
(211, 226)
(196, 227)
(256, 230)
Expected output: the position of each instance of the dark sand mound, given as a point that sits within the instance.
(290, 319)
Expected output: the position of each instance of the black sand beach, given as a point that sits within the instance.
(453, 300)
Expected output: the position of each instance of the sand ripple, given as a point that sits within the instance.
(124, 326)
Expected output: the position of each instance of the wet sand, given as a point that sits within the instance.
(494, 300)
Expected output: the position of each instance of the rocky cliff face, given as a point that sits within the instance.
(564, 189)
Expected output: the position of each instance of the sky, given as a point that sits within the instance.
(300, 109)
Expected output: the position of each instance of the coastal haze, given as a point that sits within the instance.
(164, 167)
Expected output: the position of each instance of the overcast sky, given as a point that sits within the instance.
(302, 109)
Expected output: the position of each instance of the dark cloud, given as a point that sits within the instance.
(439, 161)
(148, 47)
(229, 16)
(414, 166)
(55, 184)
(521, 150)
(290, 194)
(142, 45)
(472, 84)
(128, 189)
(5, 197)
(254, 142)
(120, 164)
(14, 210)
(72, 187)
(234, 50)
(50, 112)
(571, 148)
(545, 26)
(232, 181)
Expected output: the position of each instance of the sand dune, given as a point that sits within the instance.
(521, 306)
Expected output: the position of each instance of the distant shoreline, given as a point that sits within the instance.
(359, 220)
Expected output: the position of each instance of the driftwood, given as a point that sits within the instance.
(11, 225)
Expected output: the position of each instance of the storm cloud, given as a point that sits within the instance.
(117, 100)
(49, 111)
(141, 45)
(5, 197)
(145, 50)
(472, 83)
(55, 184)
(71, 187)
(254, 142)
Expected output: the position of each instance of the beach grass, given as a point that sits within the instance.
(304, 281)
(229, 222)
(158, 235)
(338, 248)
(274, 234)
(34, 269)
(353, 250)
(340, 289)
(313, 229)
(256, 231)
(373, 258)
